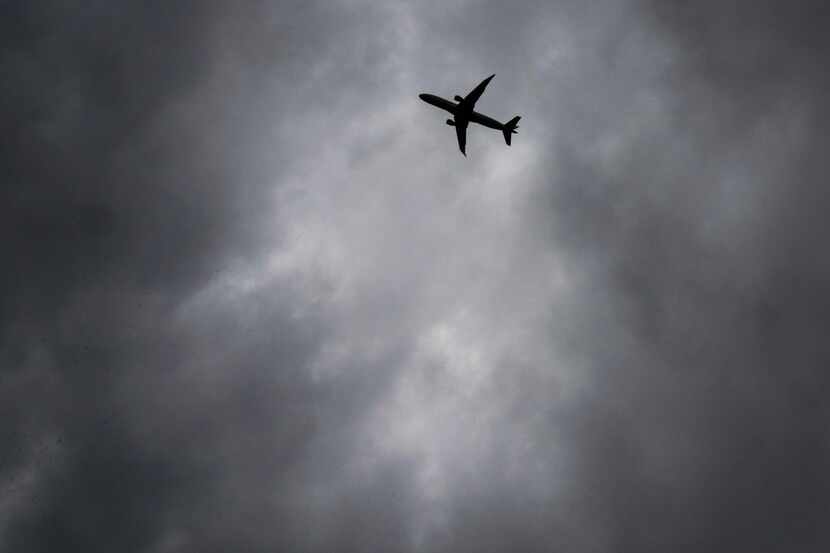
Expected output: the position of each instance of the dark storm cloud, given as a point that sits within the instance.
(705, 297)
(258, 302)
(137, 165)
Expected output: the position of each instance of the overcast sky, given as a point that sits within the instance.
(255, 299)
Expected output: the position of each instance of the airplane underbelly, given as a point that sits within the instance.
(438, 102)
(476, 117)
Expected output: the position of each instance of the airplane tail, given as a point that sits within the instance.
(510, 128)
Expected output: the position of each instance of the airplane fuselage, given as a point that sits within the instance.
(453, 108)
(439, 102)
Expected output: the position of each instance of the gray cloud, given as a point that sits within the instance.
(259, 302)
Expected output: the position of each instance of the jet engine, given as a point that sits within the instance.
(458, 98)
(450, 122)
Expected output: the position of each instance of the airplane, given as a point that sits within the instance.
(463, 114)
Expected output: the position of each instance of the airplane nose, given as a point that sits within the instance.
(422, 96)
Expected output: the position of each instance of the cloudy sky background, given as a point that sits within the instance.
(256, 300)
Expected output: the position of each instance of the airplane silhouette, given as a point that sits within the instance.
(463, 114)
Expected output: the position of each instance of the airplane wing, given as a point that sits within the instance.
(476, 93)
(461, 133)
